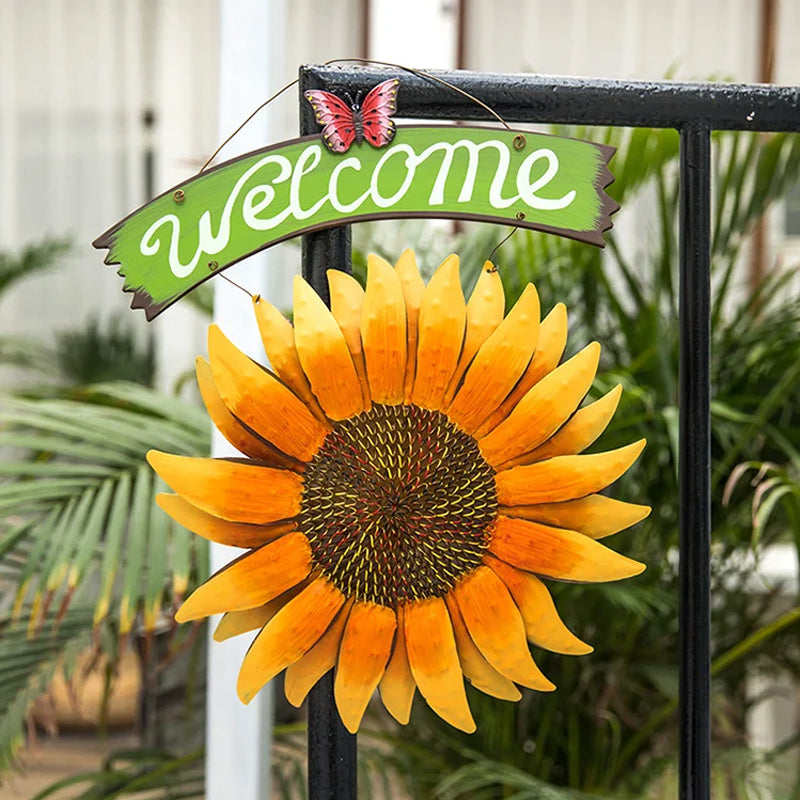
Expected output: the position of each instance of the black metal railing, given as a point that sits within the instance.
(694, 110)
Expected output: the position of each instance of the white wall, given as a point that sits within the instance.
(77, 77)
(688, 39)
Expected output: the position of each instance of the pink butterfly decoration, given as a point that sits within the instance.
(343, 124)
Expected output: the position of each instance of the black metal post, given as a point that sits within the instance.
(695, 463)
(332, 751)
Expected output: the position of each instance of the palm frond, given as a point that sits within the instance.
(84, 496)
(131, 772)
(29, 354)
(99, 352)
(33, 259)
(27, 667)
(484, 779)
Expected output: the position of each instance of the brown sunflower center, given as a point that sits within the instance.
(397, 504)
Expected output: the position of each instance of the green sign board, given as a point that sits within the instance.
(531, 180)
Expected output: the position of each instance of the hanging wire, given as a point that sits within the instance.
(418, 72)
(425, 76)
(246, 121)
(213, 265)
(500, 244)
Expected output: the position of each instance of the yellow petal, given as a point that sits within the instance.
(413, 289)
(442, 320)
(543, 626)
(236, 491)
(596, 515)
(363, 654)
(303, 674)
(251, 580)
(383, 332)
(277, 335)
(558, 553)
(347, 301)
(581, 430)
(433, 659)
(324, 355)
(291, 633)
(397, 684)
(478, 671)
(244, 440)
(549, 349)
(234, 623)
(564, 477)
(485, 310)
(544, 409)
(261, 401)
(499, 364)
(496, 628)
(236, 534)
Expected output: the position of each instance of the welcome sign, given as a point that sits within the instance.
(180, 239)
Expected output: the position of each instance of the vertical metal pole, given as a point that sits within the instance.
(331, 749)
(695, 463)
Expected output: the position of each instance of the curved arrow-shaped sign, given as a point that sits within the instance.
(177, 241)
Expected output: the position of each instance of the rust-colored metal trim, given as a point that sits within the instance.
(767, 50)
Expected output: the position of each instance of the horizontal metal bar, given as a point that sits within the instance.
(581, 101)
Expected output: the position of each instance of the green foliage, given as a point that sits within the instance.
(27, 667)
(78, 522)
(93, 354)
(20, 351)
(33, 259)
(81, 496)
(127, 773)
(381, 772)
(28, 354)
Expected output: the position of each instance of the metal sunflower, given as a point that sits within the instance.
(413, 471)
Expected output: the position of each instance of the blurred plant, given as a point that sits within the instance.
(94, 354)
(79, 526)
(85, 558)
(33, 259)
(23, 351)
(167, 777)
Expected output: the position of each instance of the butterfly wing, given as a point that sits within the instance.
(379, 104)
(336, 118)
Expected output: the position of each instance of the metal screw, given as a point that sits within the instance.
(519, 142)
(178, 196)
(520, 215)
(212, 265)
